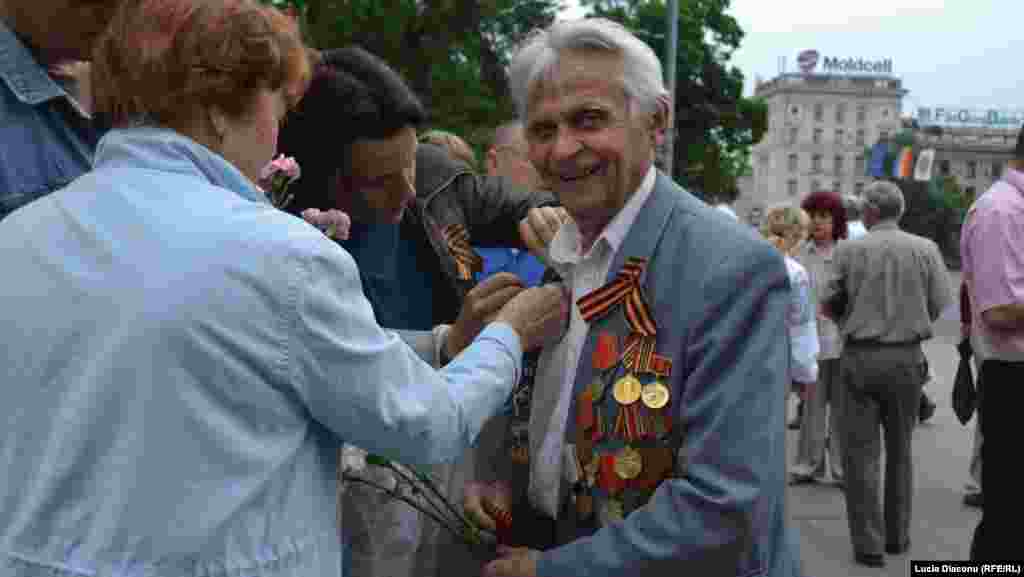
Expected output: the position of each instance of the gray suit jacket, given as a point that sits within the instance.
(719, 295)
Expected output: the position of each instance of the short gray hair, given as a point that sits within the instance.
(537, 56)
(886, 198)
(854, 207)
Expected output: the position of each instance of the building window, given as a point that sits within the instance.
(997, 170)
(794, 133)
(860, 137)
(972, 169)
(840, 113)
(793, 163)
(837, 165)
(791, 187)
(944, 169)
(815, 186)
(817, 135)
(816, 163)
(837, 187)
(860, 168)
(862, 114)
(858, 188)
(819, 112)
(885, 113)
(840, 136)
(883, 135)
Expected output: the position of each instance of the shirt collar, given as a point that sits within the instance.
(168, 151)
(889, 224)
(565, 246)
(1014, 178)
(23, 75)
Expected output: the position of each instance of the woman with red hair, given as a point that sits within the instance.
(819, 425)
(181, 359)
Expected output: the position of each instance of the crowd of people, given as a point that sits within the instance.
(188, 362)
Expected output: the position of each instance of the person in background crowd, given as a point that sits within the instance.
(992, 249)
(507, 157)
(974, 497)
(702, 491)
(414, 213)
(182, 359)
(883, 366)
(854, 225)
(456, 147)
(36, 37)
(786, 227)
(819, 447)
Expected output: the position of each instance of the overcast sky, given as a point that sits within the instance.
(948, 53)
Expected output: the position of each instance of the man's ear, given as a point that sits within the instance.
(660, 119)
(218, 122)
(491, 162)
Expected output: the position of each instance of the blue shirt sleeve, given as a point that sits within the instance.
(365, 384)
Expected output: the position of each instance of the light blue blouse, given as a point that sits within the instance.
(180, 362)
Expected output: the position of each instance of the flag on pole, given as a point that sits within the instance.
(905, 166)
(925, 161)
(877, 165)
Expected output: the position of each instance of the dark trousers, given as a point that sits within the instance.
(996, 538)
(883, 388)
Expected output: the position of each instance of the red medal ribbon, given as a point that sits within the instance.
(661, 366)
(608, 479)
(467, 261)
(606, 352)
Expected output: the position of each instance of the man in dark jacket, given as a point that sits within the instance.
(415, 215)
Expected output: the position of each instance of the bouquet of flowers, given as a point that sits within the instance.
(420, 491)
(276, 177)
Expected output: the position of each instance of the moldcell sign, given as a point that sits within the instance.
(808, 61)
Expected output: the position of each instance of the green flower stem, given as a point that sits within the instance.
(396, 495)
(415, 481)
(460, 515)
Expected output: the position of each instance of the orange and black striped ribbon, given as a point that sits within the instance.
(625, 288)
(467, 261)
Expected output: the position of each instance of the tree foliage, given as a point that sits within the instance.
(453, 53)
(715, 126)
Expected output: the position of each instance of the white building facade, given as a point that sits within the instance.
(819, 129)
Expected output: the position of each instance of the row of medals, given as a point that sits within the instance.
(628, 462)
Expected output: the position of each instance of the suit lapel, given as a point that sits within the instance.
(640, 241)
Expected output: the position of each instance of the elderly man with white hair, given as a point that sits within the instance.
(657, 423)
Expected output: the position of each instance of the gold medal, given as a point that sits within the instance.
(655, 395)
(628, 463)
(627, 390)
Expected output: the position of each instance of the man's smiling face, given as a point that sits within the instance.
(584, 140)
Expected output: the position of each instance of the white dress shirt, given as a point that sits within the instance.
(557, 366)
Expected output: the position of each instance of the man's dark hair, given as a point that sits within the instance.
(352, 96)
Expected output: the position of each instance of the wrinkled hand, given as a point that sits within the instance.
(480, 306)
(480, 498)
(539, 227)
(538, 315)
(513, 562)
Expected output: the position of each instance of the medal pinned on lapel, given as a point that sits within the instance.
(613, 511)
(606, 352)
(655, 395)
(627, 390)
(628, 463)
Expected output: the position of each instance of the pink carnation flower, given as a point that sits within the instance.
(285, 165)
(335, 223)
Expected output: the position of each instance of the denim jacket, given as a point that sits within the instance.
(182, 362)
(39, 151)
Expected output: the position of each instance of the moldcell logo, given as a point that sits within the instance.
(808, 60)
